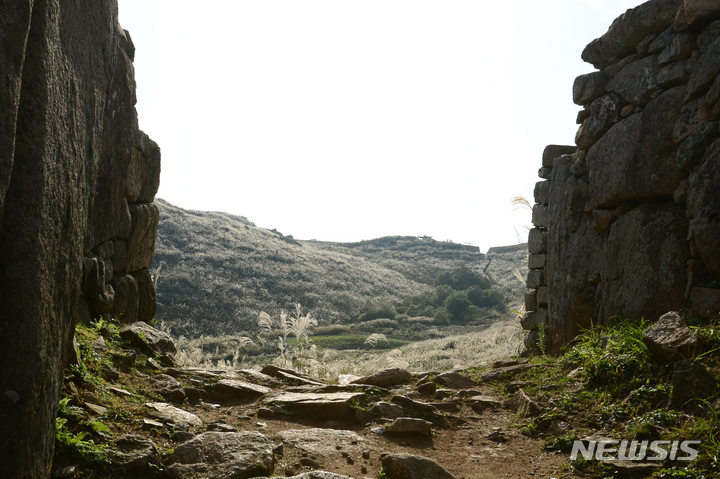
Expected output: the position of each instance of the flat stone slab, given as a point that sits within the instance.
(239, 389)
(320, 404)
(484, 402)
(257, 376)
(411, 425)
(403, 466)
(386, 378)
(454, 380)
(220, 455)
(323, 442)
(166, 412)
(407, 403)
(293, 377)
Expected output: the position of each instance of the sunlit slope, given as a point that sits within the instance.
(218, 271)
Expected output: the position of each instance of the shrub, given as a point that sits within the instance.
(462, 278)
(485, 298)
(380, 323)
(441, 316)
(332, 330)
(457, 305)
(373, 310)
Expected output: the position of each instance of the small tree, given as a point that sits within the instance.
(457, 305)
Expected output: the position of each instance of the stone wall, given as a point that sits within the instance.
(77, 223)
(628, 222)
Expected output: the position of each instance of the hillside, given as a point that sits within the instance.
(218, 271)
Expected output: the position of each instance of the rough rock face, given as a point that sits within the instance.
(72, 162)
(627, 224)
(222, 454)
(406, 466)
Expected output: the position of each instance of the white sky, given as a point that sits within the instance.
(344, 120)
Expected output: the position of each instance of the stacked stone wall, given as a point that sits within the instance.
(77, 222)
(627, 223)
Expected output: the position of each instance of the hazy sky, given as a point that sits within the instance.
(345, 120)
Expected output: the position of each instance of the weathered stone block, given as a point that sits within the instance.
(545, 172)
(694, 12)
(530, 340)
(637, 81)
(589, 87)
(705, 302)
(704, 72)
(673, 74)
(693, 148)
(634, 160)
(542, 190)
(681, 46)
(148, 339)
(141, 243)
(125, 306)
(537, 241)
(535, 319)
(703, 205)
(531, 303)
(222, 454)
(644, 268)
(691, 381)
(604, 113)
(707, 36)
(537, 261)
(535, 278)
(101, 303)
(147, 303)
(670, 338)
(542, 295)
(143, 177)
(524, 405)
(239, 389)
(629, 29)
(540, 216)
(119, 257)
(124, 220)
(527, 322)
(662, 40)
(94, 274)
(397, 466)
(553, 151)
(105, 250)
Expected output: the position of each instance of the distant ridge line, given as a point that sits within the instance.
(507, 249)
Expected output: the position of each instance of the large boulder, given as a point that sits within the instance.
(319, 405)
(635, 159)
(134, 454)
(629, 29)
(408, 466)
(644, 268)
(219, 455)
(386, 378)
(323, 442)
(455, 380)
(148, 339)
(670, 338)
(141, 243)
(703, 206)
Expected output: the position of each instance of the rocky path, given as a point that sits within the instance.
(282, 422)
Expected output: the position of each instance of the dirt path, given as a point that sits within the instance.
(463, 450)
